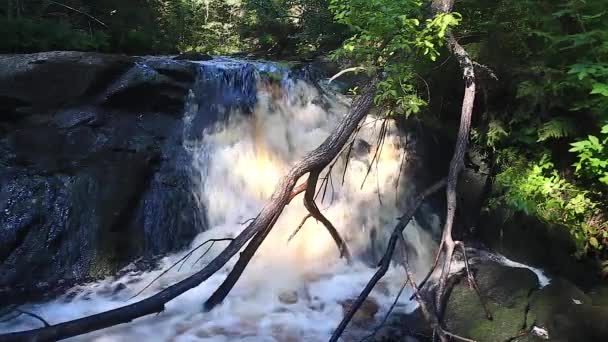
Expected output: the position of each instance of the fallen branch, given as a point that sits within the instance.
(456, 165)
(311, 206)
(315, 161)
(386, 259)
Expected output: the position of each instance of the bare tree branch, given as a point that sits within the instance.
(79, 11)
(386, 259)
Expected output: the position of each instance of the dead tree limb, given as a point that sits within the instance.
(427, 313)
(457, 163)
(386, 259)
(316, 160)
(448, 244)
(244, 258)
(311, 206)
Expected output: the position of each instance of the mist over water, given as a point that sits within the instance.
(290, 291)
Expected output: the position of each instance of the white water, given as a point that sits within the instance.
(236, 167)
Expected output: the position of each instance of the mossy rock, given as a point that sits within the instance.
(505, 291)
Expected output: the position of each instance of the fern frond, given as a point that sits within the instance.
(555, 129)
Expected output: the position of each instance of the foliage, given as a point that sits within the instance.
(593, 156)
(389, 35)
(296, 26)
(541, 121)
(34, 35)
(537, 189)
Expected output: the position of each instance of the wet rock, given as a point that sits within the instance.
(34, 82)
(193, 56)
(365, 314)
(529, 241)
(403, 327)
(361, 150)
(169, 82)
(505, 291)
(92, 170)
(288, 297)
(567, 313)
(118, 288)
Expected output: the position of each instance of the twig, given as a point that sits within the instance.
(486, 69)
(31, 314)
(247, 221)
(204, 254)
(388, 313)
(79, 11)
(472, 282)
(378, 146)
(386, 259)
(184, 258)
(295, 232)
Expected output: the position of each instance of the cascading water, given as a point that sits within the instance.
(243, 134)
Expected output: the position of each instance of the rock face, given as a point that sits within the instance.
(568, 314)
(92, 170)
(525, 239)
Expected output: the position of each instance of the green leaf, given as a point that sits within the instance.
(593, 242)
(600, 88)
(594, 140)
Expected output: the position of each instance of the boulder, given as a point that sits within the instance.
(568, 314)
(366, 313)
(505, 291)
(93, 174)
(41, 81)
(531, 242)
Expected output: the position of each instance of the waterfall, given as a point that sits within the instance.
(245, 125)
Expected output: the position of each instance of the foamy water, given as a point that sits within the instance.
(290, 291)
